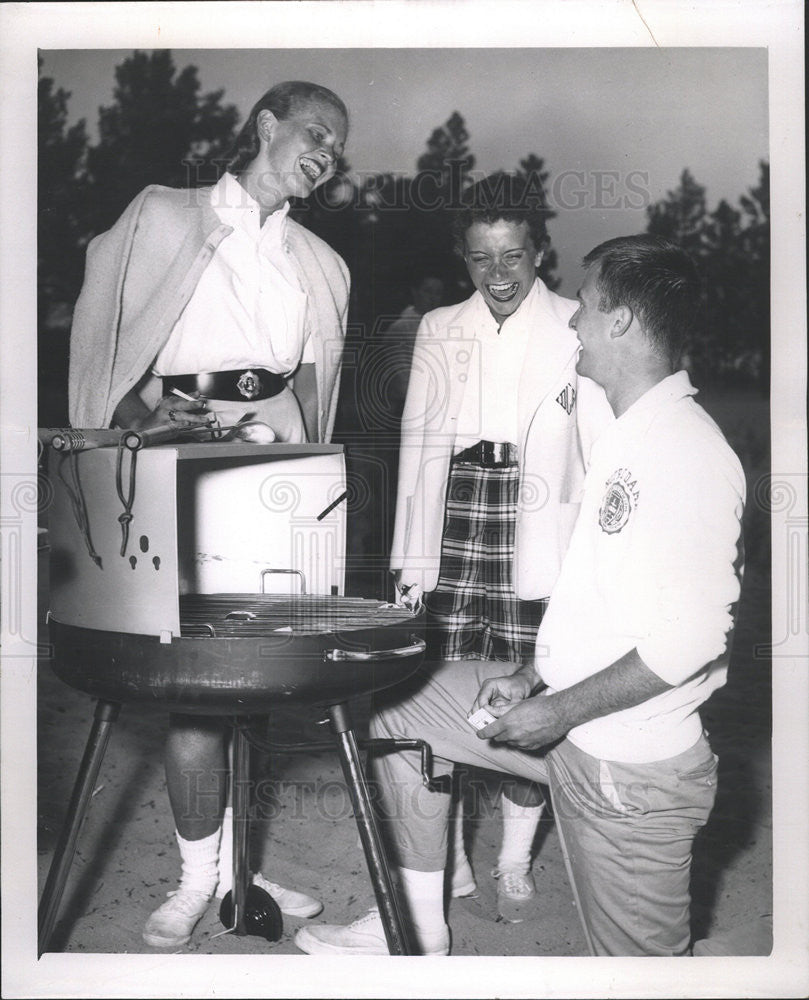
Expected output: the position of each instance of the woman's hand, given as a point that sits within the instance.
(406, 595)
(172, 411)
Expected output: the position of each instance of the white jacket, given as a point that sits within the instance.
(560, 415)
(141, 273)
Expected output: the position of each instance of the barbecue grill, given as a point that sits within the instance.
(122, 555)
(241, 654)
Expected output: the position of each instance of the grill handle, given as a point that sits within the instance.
(295, 572)
(416, 648)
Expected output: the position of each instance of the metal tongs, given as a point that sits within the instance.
(254, 431)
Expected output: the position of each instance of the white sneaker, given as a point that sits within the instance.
(516, 895)
(172, 923)
(364, 937)
(294, 904)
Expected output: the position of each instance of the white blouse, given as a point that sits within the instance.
(248, 309)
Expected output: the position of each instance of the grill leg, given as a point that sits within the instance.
(240, 779)
(106, 712)
(369, 831)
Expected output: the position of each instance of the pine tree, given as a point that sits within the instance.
(447, 162)
(532, 168)
(62, 196)
(681, 215)
(61, 235)
(159, 130)
(731, 247)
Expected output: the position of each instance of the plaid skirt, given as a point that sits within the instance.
(473, 613)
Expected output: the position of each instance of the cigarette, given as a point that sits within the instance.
(184, 395)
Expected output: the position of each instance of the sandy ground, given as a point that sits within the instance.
(304, 835)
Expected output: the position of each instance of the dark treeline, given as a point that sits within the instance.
(161, 129)
(732, 247)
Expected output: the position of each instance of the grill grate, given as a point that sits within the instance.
(256, 615)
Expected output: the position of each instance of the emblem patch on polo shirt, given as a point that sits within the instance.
(620, 499)
(567, 398)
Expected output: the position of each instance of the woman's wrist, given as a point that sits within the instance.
(131, 413)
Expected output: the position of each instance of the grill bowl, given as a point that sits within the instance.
(309, 649)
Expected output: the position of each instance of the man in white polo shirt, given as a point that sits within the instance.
(635, 638)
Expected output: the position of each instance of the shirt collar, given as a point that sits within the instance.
(668, 390)
(515, 323)
(235, 207)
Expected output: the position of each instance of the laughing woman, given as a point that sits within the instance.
(217, 293)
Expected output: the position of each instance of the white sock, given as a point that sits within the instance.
(519, 828)
(226, 855)
(456, 824)
(424, 895)
(199, 861)
(462, 875)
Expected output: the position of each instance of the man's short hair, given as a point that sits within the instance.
(282, 100)
(657, 280)
(502, 196)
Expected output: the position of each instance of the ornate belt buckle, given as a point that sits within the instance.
(249, 384)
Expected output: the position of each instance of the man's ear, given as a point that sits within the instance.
(621, 321)
(265, 122)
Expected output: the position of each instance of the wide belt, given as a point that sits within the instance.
(233, 386)
(488, 455)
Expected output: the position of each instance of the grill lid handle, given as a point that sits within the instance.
(294, 572)
(416, 647)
